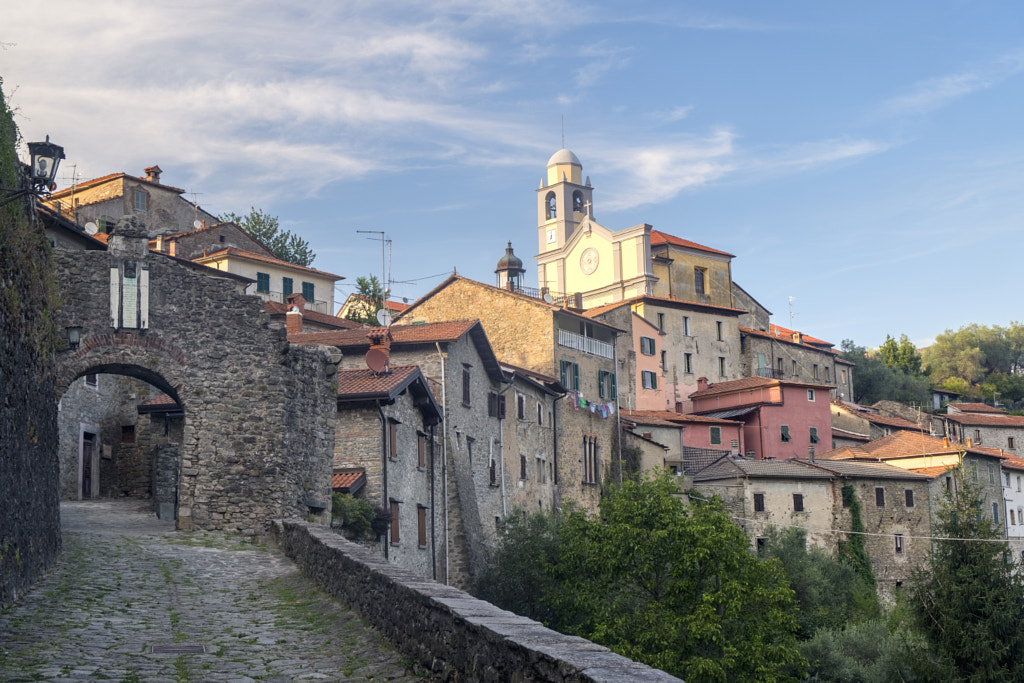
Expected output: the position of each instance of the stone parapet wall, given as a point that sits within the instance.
(447, 632)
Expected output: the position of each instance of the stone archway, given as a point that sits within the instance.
(258, 441)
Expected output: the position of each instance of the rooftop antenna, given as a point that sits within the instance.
(563, 131)
(385, 273)
(195, 205)
(791, 313)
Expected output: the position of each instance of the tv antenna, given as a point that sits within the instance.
(791, 313)
(385, 272)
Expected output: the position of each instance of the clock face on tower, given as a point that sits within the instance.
(551, 236)
(588, 261)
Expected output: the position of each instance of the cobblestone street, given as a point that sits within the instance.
(133, 600)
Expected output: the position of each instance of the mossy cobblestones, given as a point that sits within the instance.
(128, 582)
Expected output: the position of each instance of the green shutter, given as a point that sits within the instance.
(309, 292)
(263, 283)
(287, 286)
(600, 383)
(565, 378)
(575, 377)
(615, 389)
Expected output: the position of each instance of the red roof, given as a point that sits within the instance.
(274, 308)
(348, 480)
(1013, 462)
(976, 408)
(658, 238)
(906, 444)
(746, 383)
(786, 335)
(106, 178)
(252, 256)
(161, 400)
(669, 416)
(897, 422)
(987, 420)
(427, 333)
(366, 382)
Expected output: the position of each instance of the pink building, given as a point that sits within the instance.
(781, 419)
(650, 380)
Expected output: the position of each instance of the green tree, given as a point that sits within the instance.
(370, 298)
(670, 585)
(285, 244)
(874, 381)
(968, 597)
(980, 355)
(900, 355)
(829, 591)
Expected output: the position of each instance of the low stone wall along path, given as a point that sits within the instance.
(133, 600)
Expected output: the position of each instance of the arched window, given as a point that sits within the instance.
(551, 208)
(577, 201)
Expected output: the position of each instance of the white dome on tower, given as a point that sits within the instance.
(564, 156)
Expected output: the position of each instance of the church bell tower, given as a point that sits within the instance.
(563, 201)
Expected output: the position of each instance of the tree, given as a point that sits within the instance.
(969, 598)
(286, 245)
(874, 381)
(979, 354)
(369, 298)
(670, 585)
(900, 356)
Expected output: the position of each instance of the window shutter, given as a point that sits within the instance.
(576, 376)
(309, 292)
(615, 388)
(600, 383)
(565, 378)
(287, 285)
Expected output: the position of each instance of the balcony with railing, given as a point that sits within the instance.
(574, 300)
(589, 345)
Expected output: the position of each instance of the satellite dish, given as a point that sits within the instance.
(548, 299)
(377, 360)
(384, 317)
(197, 224)
(91, 228)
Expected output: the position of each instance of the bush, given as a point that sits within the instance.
(354, 514)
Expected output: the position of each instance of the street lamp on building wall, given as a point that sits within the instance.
(45, 157)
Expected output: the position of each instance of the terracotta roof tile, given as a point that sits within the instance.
(658, 238)
(675, 418)
(252, 256)
(977, 408)
(907, 444)
(987, 420)
(426, 333)
(786, 336)
(1013, 462)
(161, 400)
(856, 468)
(348, 480)
(931, 472)
(751, 383)
(276, 308)
(897, 422)
(366, 382)
(775, 469)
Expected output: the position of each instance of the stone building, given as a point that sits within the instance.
(691, 441)
(782, 419)
(557, 342)
(105, 200)
(387, 427)
(1013, 502)
(781, 353)
(981, 424)
(854, 424)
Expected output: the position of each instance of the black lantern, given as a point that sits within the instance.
(46, 157)
(74, 336)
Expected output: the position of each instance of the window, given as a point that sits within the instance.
(794, 368)
(847, 497)
(718, 330)
(698, 280)
(810, 394)
(540, 413)
(141, 200)
(92, 381)
(263, 283)
(421, 450)
(469, 449)
(664, 361)
(995, 512)
(550, 207)
(421, 526)
(287, 285)
(909, 494)
(814, 435)
(721, 366)
(977, 436)
(522, 466)
(828, 374)
(395, 536)
(577, 201)
(648, 379)
(661, 322)
(1012, 521)
(899, 543)
(127, 433)
(309, 291)
(495, 405)
(880, 496)
(798, 502)
(465, 386)
(1018, 482)
(991, 474)
(844, 376)
(570, 375)
(949, 483)
(393, 439)
(814, 371)
(603, 385)
(686, 326)
(688, 363)
(647, 346)
(520, 406)
(758, 502)
(540, 470)
(784, 432)
(493, 473)
(591, 460)
(1007, 474)
(716, 436)
(779, 365)
(1009, 443)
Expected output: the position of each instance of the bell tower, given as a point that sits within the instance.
(563, 201)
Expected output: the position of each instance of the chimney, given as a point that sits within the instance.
(380, 338)
(968, 442)
(296, 300)
(945, 442)
(293, 319)
(153, 174)
(702, 383)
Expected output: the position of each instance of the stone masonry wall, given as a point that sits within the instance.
(446, 632)
(259, 413)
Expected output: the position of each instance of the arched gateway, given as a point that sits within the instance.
(259, 413)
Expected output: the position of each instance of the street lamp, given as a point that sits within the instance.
(74, 336)
(44, 159)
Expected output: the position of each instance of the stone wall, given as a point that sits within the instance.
(446, 632)
(259, 413)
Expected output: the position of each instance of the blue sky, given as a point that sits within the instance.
(864, 158)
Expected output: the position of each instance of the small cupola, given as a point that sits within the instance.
(510, 270)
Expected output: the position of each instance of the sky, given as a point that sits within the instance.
(863, 161)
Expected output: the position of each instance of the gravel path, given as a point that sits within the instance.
(220, 608)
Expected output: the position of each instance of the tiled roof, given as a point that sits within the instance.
(427, 333)
(843, 434)
(252, 256)
(669, 416)
(540, 377)
(657, 301)
(735, 385)
(1013, 462)
(987, 420)
(780, 331)
(367, 383)
(161, 404)
(855, 468)
(786, 336)
(906, 444)
(897, 422)
(931, 472)
(276, 308)
(106, 178)
(348, 480)
(976, 408)
(727, 468)
(658, 238)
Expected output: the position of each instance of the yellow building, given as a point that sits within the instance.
(578, 255)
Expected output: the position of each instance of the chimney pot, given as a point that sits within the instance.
(153, 174)
(294, 320)
(702, 383)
